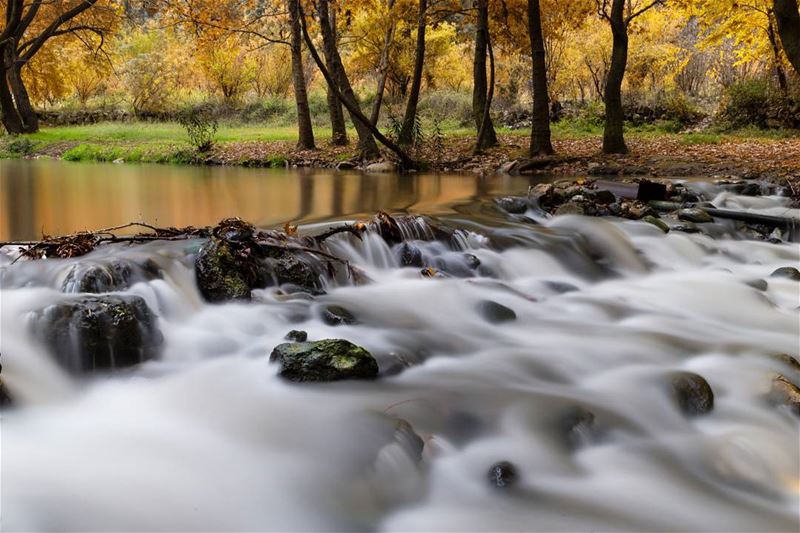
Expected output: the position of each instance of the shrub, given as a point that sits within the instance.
(21, 146)
(453, 106)
(201, 127)
(758, 103)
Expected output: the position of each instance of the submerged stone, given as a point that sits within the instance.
(495, 313)
(757, 284)
(503, 475)
(787, 272)
(99, 333)
(297, 336)
(325, 360)
(692, 393)
(512, 204)
(336, 315)
(410, 256)
(99, 278)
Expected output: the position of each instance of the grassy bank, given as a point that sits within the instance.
(274, 145)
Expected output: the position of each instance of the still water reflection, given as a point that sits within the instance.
(57, 197)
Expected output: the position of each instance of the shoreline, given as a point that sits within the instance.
(675, 156)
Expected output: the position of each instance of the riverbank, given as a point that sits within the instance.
(750, 153)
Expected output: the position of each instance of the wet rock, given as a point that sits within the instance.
(788, 360)
(381, 167)
(784, 392)
(232, 263)
(757, 284)
(336, 315)
(99, 333)
(560, 287)
(221, 275)
(291, 272)
(787, 272)
(692, 394)
(604, 170)
(512, 204)
(410, 256)
(577, 426)
(570, 208)
(97, 278)
(495, 313)
(296, 336)
(697, 216)
(686, 227)
(408, 440)
(601, 196)
(472, 261)
(345, 165)
(503, 475)
(5, 397)
(325, 360)
(657, 222)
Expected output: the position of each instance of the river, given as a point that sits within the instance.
(573, 389)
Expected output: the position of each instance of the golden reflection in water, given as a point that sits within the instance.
(55, 197)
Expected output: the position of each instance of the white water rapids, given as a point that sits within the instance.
(209, 438)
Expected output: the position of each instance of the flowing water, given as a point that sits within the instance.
(208, 437)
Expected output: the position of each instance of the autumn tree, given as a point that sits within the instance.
(619, 14)
(410, 117)
(540, 120)
(31, 25)
(480, 85)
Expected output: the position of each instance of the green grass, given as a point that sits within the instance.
(136, 142)
(165, 131)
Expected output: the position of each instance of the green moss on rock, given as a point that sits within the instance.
(325, 360)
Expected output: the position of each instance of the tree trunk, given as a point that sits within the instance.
(335, 111)
(787, 15)
(352, 106)
(383, 69)
(366, 142)
(479, 86)
(410, 117)
(540, 121)
(8, 110)
(304, 129)
(776, 56)
(613, 134)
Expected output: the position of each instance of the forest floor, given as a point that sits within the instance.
(750, 153)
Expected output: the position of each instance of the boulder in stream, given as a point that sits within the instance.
(99, 333)
(495, 313)
(234, 262)
(787, 272)
(784, 392)
(692, 393)
(325, 360)
(117, 275)
(503, 475)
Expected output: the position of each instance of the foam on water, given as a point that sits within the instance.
(209, 438)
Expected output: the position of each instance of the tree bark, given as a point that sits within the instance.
(335, 111)
(540, 121)
(776, 55)
(613, 134)
(383, 69)
(30, 120)
(366, 141)
(410, 117)
(787, 15)
(304, 129)
(8, 110)
(479, 85)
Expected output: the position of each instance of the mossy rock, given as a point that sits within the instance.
(325, 360)
(99, 333)
(220, 275)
